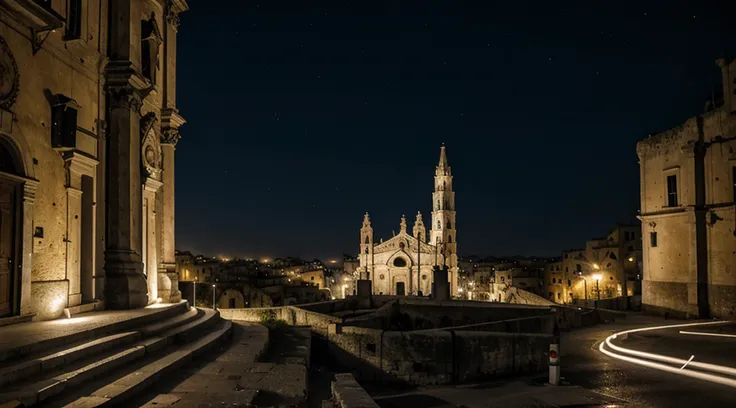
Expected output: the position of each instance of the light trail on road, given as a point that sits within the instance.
(708, 334)
(645, 357)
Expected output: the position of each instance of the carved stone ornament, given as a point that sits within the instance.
(150, 147)
(170, 136)
(124, 97)
(9, 76)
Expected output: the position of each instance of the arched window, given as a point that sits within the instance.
(439, 224)
(449, 225)
(449, 239)
(8, 162)
(444, 185)
(367, 240)
(438, 205)
(399, 262)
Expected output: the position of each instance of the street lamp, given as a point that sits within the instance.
(214, 306)
(194, 291)
(597, 278)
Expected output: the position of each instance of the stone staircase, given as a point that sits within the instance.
(111, 364)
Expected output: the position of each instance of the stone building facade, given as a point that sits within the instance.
(688, 211)
(403, 265)
(88, 127)
(615, 259)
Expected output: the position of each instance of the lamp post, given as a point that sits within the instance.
(214, 306)
(597, 278)
(194, 292)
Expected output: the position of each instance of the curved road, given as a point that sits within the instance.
(639, 386)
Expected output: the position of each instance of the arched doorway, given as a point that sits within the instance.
(10, 193)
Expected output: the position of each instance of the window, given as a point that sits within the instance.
(551, 296)
(438, 205)
(63, 122)
(449, 225)
(366, 239)
(399, 262)
(449, 239)
(559, 296)
(578, 268)
(613, 256)
(151, 39)
(672, 191)
(653, 239)
(439, 224)
(554, 280)
(569, 283)
(74, 20)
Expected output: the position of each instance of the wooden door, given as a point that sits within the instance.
(7, 228)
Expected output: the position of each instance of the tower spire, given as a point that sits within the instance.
(443, 157)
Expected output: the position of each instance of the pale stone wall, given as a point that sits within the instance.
(692, 270)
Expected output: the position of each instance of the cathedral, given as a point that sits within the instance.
(403, 265)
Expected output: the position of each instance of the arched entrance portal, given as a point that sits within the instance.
(10, 192)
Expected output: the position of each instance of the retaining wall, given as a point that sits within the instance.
(437, 356)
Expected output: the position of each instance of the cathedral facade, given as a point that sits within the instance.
(404, 264)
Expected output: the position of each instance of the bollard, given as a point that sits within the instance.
(554, 364)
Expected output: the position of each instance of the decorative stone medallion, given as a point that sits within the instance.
(9, 76)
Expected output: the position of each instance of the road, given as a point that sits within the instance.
(593, 379)
(583, 364)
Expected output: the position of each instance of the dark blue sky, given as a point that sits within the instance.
(301, 118)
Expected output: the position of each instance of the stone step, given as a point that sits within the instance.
(130, 385)
(157, 328)
(38, 365)
(55, 382)
(46, 336)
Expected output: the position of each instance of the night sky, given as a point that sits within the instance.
(303, 117)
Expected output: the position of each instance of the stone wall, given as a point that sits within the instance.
(347, 393)
(255, 314)
(439, 356)
(420, 314)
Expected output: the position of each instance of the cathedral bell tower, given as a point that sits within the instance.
(366, 248)
(443, 233)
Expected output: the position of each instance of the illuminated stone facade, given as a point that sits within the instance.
(688, 191)
(88, 125)
(403, 264)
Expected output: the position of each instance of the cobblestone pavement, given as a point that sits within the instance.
(22, 334)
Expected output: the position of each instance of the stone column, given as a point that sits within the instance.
(151, 239)
(125, 285)
(169, 138)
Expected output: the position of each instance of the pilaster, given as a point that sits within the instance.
(125, 286)
(26, 261)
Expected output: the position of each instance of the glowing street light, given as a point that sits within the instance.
(631, 259)
(596, 267)
(597, 278)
